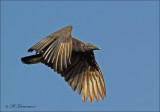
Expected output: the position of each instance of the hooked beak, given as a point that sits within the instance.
(96, 48)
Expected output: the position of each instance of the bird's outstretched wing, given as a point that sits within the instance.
(56, 49)
(84, 75)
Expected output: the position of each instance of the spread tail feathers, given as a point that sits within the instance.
(33, 59)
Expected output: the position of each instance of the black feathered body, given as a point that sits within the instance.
(73, 59)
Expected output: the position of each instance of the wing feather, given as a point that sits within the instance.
(73, 74)
(84, 75)
(79, 83)
(100, 91)
(95, 90)
(54, 52)
(48, 53)
(75, 80)
(41, 43)
(53, 47)
(42, 46)
(51, 57)
(64, 57)
(68, 74)
(84, 87)
(57, 58)
(103, 85)
(70, 51)
(61, 61)
(66, 51)
(90, 88)
(68, 44)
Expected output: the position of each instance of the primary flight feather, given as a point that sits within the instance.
(73, 59)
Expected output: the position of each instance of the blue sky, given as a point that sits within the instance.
(127, 33)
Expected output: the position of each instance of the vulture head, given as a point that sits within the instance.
(90, 47)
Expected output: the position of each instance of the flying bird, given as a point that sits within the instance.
(73, 59)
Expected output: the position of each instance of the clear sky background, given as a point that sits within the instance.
(127, 33)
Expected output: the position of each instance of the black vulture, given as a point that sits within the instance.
(73, 59)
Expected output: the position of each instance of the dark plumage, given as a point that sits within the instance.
(73, 59)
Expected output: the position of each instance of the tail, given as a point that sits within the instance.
(33, 59)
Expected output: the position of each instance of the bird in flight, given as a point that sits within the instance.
(73, 59)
